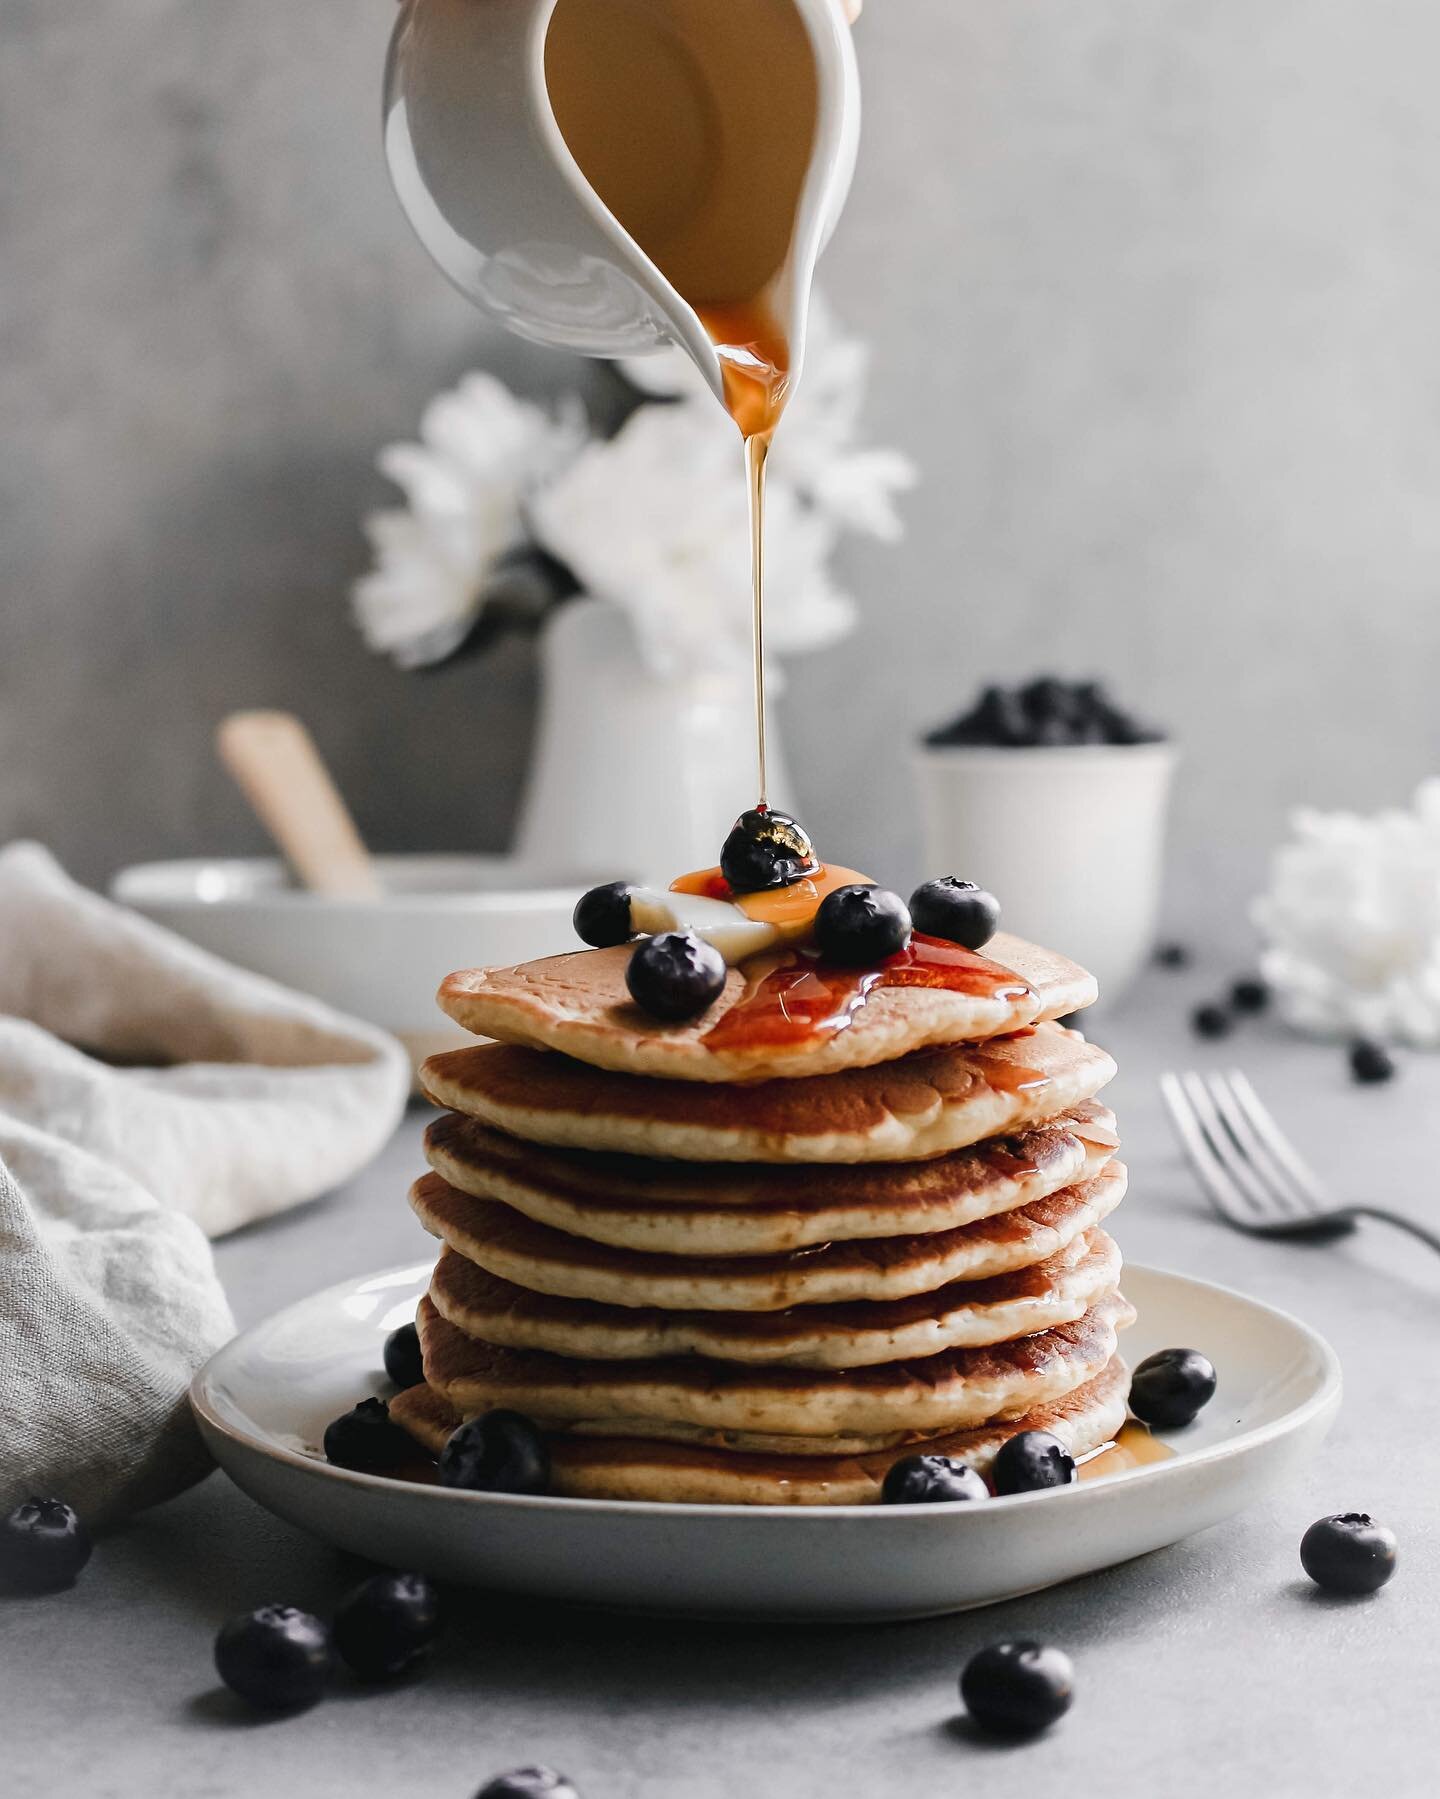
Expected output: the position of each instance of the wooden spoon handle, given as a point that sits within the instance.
(277, 767)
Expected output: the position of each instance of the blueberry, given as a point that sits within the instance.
(365, 1438)
(1171, 1386)
(1172, 955)
(675, 975)
(1032, 1460)
(277, 1658)
(43, 1546)
(602, 916)
(1211, 1021)
(956, 910)
(528, 1783)
(931, 1480)
(499, 1452)
(386, 1624)
(766, 849)
(1370, 1062)
(402, 1357)
(1348, 1553)
(1250, 995)
(859, 925)
(1017, 1689)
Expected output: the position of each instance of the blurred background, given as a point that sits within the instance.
(1152, 295)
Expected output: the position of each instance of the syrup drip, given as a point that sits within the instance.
(802, 998)
(1133, 1447)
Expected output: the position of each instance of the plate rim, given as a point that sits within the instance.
(1325, 1398)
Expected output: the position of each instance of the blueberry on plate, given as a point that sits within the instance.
(1370, 1062)
(675, 975)
(402, 1357)
(1348, 1553)
(1168, 1388)
(528, 1783)
(766, 849)
(277, 1658)
(1211, 1021)
(365, 1438)
(931, 1480)
(1031, 1460)
(956, 910)
(43, 1546)
(499, 1452)
(1017, 1689)
(386, 1624)
(860, 926)
(602, 916)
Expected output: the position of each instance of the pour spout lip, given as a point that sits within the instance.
(827, 180)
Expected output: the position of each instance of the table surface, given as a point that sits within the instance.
(1209, 1666)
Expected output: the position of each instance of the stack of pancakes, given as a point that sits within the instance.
(761, 1272)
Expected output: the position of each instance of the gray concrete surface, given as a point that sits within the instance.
(1211, 1667)
(1153, 290)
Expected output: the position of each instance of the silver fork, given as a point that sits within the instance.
(1252, 1171)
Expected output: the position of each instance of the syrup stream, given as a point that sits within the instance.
(756, 450)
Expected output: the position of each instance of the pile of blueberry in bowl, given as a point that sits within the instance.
(1043, 713)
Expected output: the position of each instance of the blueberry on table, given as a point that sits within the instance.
(1250, 994)
(675, 976)
(367, 1440)
(1017, 1689)
(1370, 1062)
(386, 1624)
(499, 1452)
(277, 1658)
(931, 1480)
(43, 1546)
(766, 849)
(1172, 955)
(956, 910)
(1211, 1021)
(1348, 1553)
(403, 1361)
(1031, 1460)
(860, 926)
(528, 1783)
(602, 916)
(1168, 1388)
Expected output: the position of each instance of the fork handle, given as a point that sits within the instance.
(1400, 1222)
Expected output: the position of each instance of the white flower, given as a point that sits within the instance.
(481, 453)
(1352, 922)
(815, 447)
(655, 519)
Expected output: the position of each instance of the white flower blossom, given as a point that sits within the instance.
(481, 453)
(1351, 922)
(655, 519)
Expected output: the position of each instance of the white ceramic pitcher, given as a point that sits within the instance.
(487, 181)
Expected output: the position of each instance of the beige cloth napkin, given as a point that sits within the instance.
(151, 1096)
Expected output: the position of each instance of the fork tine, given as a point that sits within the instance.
(1228, 1152)
(1284, 1194)
(1228, 1199)
(1278, 1144)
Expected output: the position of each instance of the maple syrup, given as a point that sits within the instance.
(1133, 1447)
(695, 124)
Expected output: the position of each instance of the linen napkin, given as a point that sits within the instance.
(151, 1096)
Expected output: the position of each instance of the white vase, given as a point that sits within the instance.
(634, 776)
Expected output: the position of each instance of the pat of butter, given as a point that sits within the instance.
(718, 921)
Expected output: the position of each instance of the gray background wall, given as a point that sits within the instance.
(1154, 289)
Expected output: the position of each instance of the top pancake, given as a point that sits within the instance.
(579, 1004)
(926, 1105)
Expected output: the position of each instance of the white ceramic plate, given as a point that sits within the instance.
(264, 1400)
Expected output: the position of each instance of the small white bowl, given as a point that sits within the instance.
(380, 960)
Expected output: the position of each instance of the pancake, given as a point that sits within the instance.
(530, 1255)
(923, 1106)
(955, 1390)
(699, 1474)
(687, 1208)
(965, 1314)
(579, 1004)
